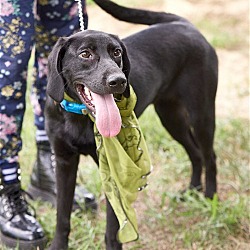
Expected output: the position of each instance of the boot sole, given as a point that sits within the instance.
(37, 193)
(9, 242)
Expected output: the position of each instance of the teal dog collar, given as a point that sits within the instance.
(73, 107)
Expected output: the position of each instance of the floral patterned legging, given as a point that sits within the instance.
(25, 24)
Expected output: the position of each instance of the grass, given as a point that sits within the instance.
(197, 223)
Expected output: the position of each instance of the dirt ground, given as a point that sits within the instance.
(229, 17)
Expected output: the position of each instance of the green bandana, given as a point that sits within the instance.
(124, 164)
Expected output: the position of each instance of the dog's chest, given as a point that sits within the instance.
(79, 133)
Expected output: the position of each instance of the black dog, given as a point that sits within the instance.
(170, 65)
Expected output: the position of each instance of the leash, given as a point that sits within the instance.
(80, 13)
(68, 103)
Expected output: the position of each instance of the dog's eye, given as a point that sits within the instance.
(85, 54)
(117, 53)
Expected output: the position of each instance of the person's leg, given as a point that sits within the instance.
(17, 225)
(54, 19)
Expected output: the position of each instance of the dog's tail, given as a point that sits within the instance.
(137, 16)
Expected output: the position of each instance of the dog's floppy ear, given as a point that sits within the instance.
(125, 69)
(125, 65)
(55, 87)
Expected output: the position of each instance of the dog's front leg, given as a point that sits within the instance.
(66, 172)
(111, 229)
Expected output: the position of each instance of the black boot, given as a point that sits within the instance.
(43, 180)
(17, 224)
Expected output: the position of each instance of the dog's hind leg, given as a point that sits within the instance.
(111, 229)
(176, 119)
(211, 183)
(66, 171)
(206, 138)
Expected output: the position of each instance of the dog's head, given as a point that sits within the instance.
(88, 60)
(91, 66)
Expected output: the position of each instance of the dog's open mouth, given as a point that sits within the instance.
(85, 96)
(107, 115)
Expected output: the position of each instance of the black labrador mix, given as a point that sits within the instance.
(170, 65)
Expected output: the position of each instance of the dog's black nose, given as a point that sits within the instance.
(117, 81)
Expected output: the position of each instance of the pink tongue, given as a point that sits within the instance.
(108, 118)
